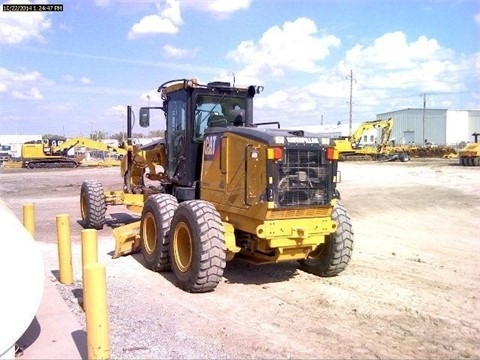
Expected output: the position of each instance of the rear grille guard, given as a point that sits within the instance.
(303, 179)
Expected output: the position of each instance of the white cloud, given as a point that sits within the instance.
(117, 110)
(392, 52)
(102, 3)
(224, 8)
(22, 27)
(27, 94)
(167, 21)
(296, 46)
(86, 81)
(218, 8)
(390, 73)
(83, 80)
(151, 98)
(476, 17)
(22, 85)
(171, 51)
(393, 63)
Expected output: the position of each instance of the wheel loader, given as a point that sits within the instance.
(220, 186)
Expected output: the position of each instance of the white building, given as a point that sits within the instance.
(436, 126)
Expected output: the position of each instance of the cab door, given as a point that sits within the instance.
(176, 137)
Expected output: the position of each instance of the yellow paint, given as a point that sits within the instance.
(96, 311)
(64, 249)
(29, 218)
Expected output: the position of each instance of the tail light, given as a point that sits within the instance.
(275, 153)
(332, 154)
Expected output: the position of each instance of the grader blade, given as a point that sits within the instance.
(127, 239)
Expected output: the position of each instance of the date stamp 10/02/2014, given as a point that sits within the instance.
(31, 7)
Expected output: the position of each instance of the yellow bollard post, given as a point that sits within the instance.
(64, 249)
(29, 218)
(89, 246)
(96, 311)
(89, 256)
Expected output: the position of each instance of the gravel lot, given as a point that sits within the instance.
(411, 289)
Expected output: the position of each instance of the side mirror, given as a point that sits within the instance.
(144, 117)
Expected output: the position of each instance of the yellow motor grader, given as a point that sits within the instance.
(470, 154)
(219, 185)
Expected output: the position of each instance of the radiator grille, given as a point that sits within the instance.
(302, 179)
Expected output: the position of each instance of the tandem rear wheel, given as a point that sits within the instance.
(187, 238)
(157, 215)
(197, 246)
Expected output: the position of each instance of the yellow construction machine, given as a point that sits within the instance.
(470, 154)
(351, 147)
(53, 153)
(220, 186)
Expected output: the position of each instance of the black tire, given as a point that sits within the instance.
(157, 215)
(470, 161)
(463, 161)
(332, 257)
(476, 161)
(404, 157)
(197, 246)
(92, 204)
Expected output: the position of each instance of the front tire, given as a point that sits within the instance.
(157, 215)
(332, 257)
(197, 246)
(92, 204)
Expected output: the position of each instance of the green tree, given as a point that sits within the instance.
(98, 135)
(121, 136)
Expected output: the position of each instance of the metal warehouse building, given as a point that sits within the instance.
(436, 126)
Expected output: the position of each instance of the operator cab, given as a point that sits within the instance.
(190, 109)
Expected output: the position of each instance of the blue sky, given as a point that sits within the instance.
(71, 72)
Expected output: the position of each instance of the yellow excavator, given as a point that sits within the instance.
(350, 147)
(219, 186)
(53, 153)
(470, 154)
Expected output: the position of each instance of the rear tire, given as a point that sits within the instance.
(197, 246)
(157, 215)
(476, 161)
(92, 204)
(332, 257)
(404, 157)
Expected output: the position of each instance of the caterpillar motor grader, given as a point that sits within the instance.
(224, 186)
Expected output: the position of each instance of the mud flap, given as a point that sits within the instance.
(127, 239)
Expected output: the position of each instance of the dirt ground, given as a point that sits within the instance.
(411, 290)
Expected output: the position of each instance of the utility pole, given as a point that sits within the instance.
(423, 117)
(351, 102)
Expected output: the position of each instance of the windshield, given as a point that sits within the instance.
(217, 110)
